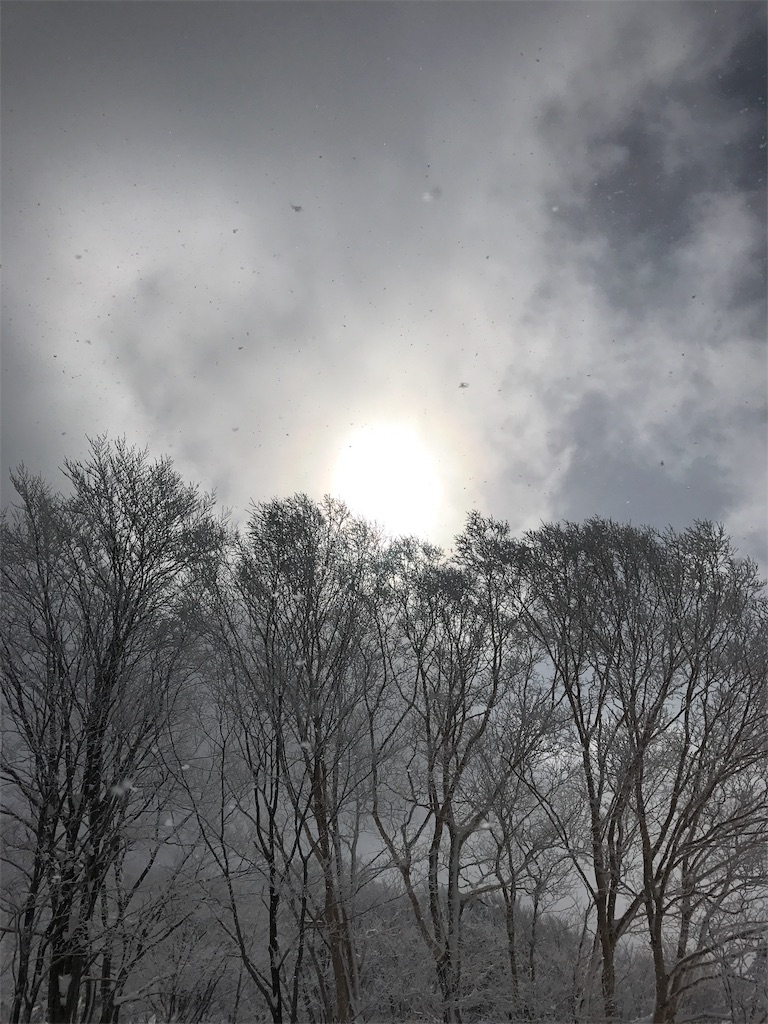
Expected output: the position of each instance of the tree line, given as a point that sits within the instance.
(301, 771)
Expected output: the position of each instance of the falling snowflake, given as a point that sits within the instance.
(122, 787)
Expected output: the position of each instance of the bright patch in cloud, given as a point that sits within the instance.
(386, 473)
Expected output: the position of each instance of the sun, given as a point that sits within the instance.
(386, 473)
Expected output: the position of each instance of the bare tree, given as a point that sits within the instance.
(283, 747)
(358, 758)
(568, 608)
(521, 851)
(256, 872)
(95, 651)
(461, 664)
(658, 651)
(701, 799)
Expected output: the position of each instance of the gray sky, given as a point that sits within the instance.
(560, 205)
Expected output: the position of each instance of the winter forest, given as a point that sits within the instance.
(301, 771)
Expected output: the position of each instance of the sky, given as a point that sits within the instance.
(429, 256)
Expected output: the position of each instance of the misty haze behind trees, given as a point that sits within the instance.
(303, 772)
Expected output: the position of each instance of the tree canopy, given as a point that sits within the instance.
(303, 771)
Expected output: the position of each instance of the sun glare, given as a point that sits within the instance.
(386, 473)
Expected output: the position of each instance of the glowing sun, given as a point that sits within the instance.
(387, 474)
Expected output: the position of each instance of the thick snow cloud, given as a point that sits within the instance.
(235, 232)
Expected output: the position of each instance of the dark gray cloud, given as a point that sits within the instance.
(612, 475)
(562, 205)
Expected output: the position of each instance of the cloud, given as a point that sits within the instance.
(550, 202)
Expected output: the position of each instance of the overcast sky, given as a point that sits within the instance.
(561, 205)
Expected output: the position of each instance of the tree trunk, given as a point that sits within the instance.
(509, 918)
(338, 940)
(448, 989)
(608, 973)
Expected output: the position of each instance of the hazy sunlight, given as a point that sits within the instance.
(386, 473)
